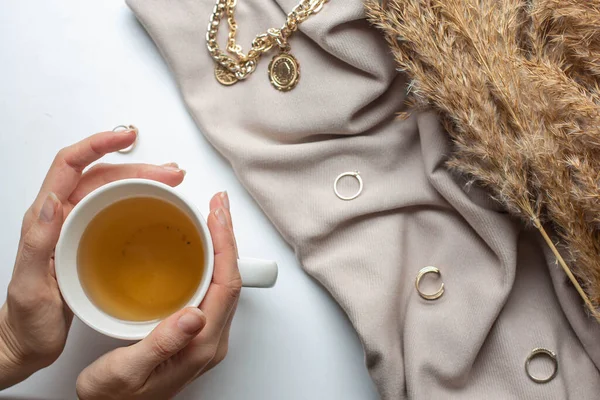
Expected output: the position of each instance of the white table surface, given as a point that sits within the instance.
(69, 68)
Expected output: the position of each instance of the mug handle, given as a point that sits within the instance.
(257, 273)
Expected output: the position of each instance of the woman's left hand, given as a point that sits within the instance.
(34, 321)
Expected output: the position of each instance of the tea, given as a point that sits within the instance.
(140, 259)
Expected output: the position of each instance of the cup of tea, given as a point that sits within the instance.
(135, 251)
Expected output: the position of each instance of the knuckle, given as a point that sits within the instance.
(98, 166)
(26, 222)
(32, 243)
(212, 350)
(215, 355)
(234, 287)
(221, 353)
(107, 378)
(62, 157)
(61, 154)
(117, 377)
(13, 293)
(205, 355)
(29, 247)
(83, 386)
(199, 356)
(163, 347)
(142, 171)
(127, 378)
(18, 299)
(230, 243)
(94, 148)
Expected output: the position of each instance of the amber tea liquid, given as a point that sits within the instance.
(140, 259)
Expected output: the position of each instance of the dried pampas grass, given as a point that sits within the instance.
(516, 85)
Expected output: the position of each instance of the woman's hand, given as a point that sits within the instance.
(34, 321)
(183, 346)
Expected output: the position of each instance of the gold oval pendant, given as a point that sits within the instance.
(284, 72)
(224, 76)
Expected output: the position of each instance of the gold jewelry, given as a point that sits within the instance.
(540, 351)
(224, 76)
(125, 128)
(353, 174)
(284, 70)
(420, 275)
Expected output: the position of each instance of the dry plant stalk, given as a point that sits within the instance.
(569, 31)
(515, 83)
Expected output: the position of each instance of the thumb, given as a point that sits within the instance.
(167, 339)
(40, 240)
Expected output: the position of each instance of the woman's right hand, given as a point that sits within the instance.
(34, 320)
(183, 346)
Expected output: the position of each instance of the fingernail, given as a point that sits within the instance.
(171, 164)
(130, 129)
(225, 199)
(220, 214)
(48, 210)
(173, 167)
(191, 321)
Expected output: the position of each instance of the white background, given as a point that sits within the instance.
(69, 68)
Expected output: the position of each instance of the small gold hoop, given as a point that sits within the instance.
(540, 352)
(125, 128)
(420, 275)
(353, 174)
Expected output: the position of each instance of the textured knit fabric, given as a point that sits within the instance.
(504, 294)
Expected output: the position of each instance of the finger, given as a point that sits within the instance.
(223, 346)
(208, 348)
(196, 359)
(166, 340)
(37, 245)
(222, 200)
(226, 283)
(66, 169)
(101, 174)
(150, 368)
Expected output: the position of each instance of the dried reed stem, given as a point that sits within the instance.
(567, 270)
(515, 83)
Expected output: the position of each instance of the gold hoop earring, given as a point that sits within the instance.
(353, 174)
(125, 128)
(420, 275)
(540, 352)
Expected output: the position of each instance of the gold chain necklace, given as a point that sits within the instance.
(284, 70)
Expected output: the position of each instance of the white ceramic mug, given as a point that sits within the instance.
(255, 273)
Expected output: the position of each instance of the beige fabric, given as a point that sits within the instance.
(502, 298)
